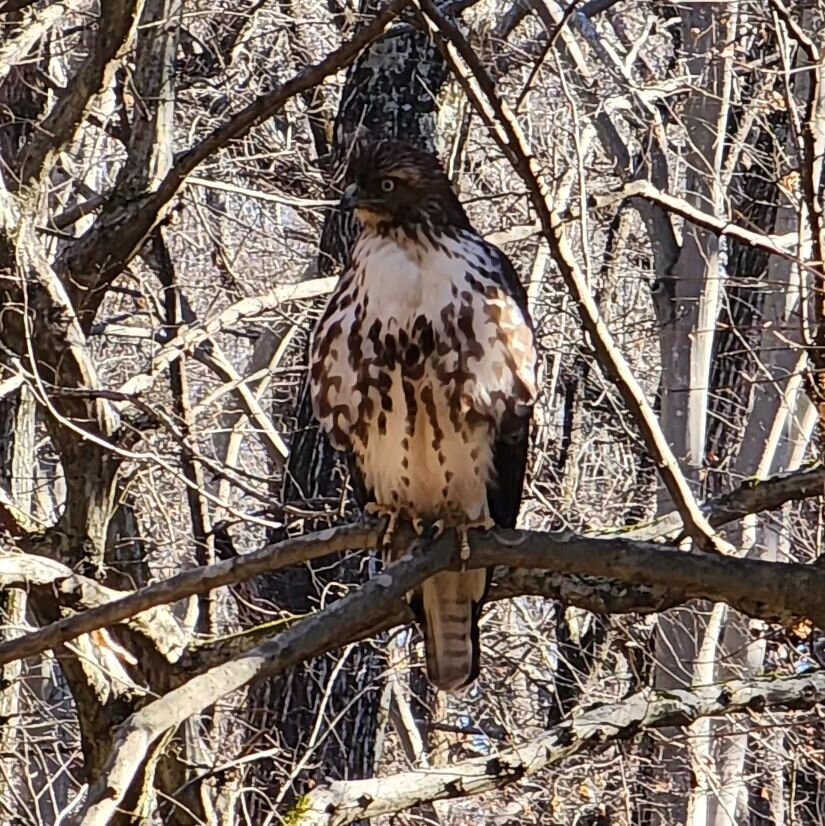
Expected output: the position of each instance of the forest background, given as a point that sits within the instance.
(193, 628)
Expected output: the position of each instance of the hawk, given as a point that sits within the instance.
(423, 370)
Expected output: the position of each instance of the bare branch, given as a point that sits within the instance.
(770, 590)
(31, 31)
(565, 579)
(594, 728)
(347, 620)
(189, 583)
(13, 519)
(34, 572)
(773, 591)
(149, 147)
(752, 496)
(273, 443)
(720, 226)
(192, 337)
(118, 19)
(100, 254)
(288, 200)
(513, 144)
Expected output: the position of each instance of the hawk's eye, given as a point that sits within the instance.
(387, 184)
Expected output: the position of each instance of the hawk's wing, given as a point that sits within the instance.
(360, 492)
(339, 312)
(512, 444)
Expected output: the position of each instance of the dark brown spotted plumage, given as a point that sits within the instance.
(423, 370)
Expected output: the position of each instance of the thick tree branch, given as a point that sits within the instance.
(72, 591)
(53, 353)
(776, 591)
(149, 147)
(595, 728)
(772, 591)
(594, 584)
(354, 616)
(189, 583)
(620, 575)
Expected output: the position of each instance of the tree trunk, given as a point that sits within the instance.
(327, 711)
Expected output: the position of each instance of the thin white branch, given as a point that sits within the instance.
(781, 245)
(246, 308)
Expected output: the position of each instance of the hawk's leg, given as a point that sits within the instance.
(484, 524)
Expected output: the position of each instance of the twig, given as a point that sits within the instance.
(192, 337)
(507, 133)
(192, 469)
(30, 32)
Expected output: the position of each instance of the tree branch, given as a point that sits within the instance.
(193, 337)
(772, 591)
(508, 134)
(595, 728)
(31, 31)
(594, 584)
(32, 572)
(752, 496)
(720, 226)
(189, 583)
(118, 19)
(121, 229)
(778, 591)
(349, 619)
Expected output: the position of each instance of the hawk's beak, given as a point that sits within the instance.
(351, 198)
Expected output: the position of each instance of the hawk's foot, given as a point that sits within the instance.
(388, 513)
(430, 532)
(484, 524)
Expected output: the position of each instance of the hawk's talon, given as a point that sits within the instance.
(389, 531)
(463, 546)
(464, 551)
(430, 531)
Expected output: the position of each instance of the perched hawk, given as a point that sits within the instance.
(424, 371)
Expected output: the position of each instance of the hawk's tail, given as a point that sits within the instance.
(451, 606)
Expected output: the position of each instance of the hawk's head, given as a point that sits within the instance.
(393, 184)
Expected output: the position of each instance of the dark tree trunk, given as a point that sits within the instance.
(328, 709)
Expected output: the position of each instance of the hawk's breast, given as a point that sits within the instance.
(421, 354)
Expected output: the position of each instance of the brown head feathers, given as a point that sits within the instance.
(391, 184)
